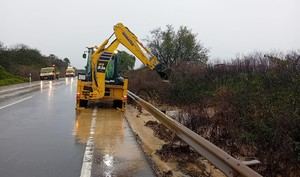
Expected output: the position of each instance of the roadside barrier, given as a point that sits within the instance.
(230, 166)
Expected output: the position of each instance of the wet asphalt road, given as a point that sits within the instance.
(41, 134)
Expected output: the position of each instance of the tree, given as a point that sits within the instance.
(1, 46)
(21, 60)
(126, 61)
(66, 60)
(172, 47)
(52, 57)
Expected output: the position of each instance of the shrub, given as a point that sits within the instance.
(249, 107)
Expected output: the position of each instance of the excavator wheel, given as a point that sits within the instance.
(83, 103)
(118, 104)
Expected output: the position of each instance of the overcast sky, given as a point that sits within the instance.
(226, 27)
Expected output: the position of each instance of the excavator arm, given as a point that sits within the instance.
(105, 51)
(131, 42)
(125, 37)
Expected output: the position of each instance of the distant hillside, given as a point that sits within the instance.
(22, 60)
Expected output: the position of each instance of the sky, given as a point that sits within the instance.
(227, 28)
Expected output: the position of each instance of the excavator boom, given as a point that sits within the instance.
(97, 88)
(125, 37)
(131, 42)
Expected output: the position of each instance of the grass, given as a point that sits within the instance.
(8, 79)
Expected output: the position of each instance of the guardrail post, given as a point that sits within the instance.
(30, 78)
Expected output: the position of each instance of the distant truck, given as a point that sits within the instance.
(49, 73)
(70, 72)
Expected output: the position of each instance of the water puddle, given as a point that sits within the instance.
(116, 152)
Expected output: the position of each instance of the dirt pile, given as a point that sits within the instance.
(160, 131)
(188, 161)
(176, 151)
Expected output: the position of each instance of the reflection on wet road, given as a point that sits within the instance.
(42, 135)
(36, 134)
(116, 152)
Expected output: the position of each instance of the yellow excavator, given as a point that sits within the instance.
(94, 85)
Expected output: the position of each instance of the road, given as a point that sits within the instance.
(41, 134)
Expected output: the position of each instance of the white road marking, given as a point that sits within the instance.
(19, 88)
(16, 102)
(41, 83)
(87, 161)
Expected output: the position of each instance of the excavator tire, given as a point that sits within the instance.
(118, 104)
(83, 103)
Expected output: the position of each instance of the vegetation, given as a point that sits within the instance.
(66, 60)
(126, 62)
(173, 47)
(7, 78)
(22, 60)
(250, 107)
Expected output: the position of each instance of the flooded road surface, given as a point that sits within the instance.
(42, 135)
(36, 133)
(116, 152)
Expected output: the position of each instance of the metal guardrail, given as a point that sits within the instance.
(230, 166)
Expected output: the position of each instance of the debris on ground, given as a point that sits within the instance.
(177, 151)
(172, 151)
(169, 156)
(160, 131)
(194, 169)
(187, 159)
(167, 174)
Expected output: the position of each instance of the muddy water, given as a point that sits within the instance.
(116, 152)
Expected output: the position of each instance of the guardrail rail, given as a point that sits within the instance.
(230, 166)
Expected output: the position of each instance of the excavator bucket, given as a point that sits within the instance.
(163, 71)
